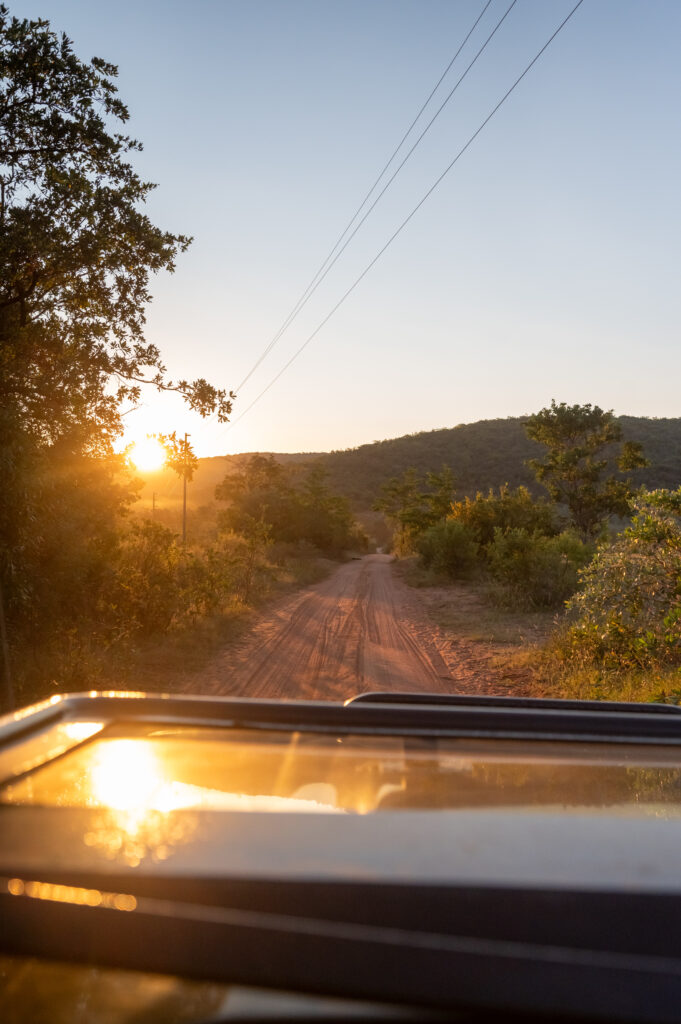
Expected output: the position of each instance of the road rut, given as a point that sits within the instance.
(356, 631)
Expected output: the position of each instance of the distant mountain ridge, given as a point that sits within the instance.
(485, 454)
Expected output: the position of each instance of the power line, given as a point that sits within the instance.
(317, 279)
(408, 218)
(390, 180)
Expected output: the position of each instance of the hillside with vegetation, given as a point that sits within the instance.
(600, 551)
(481, 455)
(487, 454)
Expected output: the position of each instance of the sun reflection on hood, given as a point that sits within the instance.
(137, 784)
(128, 775)
(132, 783)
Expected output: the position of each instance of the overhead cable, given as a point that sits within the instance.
(324, 268)
(408, 218)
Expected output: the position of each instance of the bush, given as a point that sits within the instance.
(507, 510)
(536, 571)
(628, 610)
(146, 592)
(295, 505)
(159, 585)
(448, 547)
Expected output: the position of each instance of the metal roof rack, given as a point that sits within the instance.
(539, 703)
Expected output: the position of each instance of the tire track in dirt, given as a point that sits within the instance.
(361, 629)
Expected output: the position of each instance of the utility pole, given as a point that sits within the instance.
(153, 504)
(184, 492)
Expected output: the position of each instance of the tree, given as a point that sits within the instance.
(76, 256)
(259, 492)
(293, 506)
(440, 493)
(582, 468)
(412, 509)
(326, 518)
(76, 250)
(627, 613)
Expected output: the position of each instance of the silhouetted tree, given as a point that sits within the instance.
(294, 507)
(580, 469)
(76, 255)
(76, 250)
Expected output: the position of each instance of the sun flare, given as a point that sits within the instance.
(148, 455)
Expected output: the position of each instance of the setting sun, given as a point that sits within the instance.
(148, 454)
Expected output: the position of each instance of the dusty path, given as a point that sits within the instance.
(361, 629)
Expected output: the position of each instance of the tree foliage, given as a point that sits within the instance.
(294, 506)
(627, 613)
(413, 505)
(507, 509)
(513, 540)
(584, 462)
(533, 570)
(449, 548)
(76, 249)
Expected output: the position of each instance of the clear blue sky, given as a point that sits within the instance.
(545, 265)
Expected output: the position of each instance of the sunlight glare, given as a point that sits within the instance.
(126, 776)
(148, 455)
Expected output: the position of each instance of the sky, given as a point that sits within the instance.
(545, 264)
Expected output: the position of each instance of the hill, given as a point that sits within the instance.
(482, 455)
(487, 454)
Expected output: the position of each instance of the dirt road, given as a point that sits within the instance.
(361, 629)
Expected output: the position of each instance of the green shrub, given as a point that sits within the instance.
(159, 585)
(296, 504)
(536, 571)
(146, 591)
(507, 510)
(628, 610)
(450, 548)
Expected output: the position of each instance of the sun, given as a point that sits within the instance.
(148, 454)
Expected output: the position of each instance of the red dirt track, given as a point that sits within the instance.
(361, 629)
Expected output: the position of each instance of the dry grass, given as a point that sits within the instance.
(166, 663)
(161, 663)
(551, 676)
(465, 608)
(521, 642)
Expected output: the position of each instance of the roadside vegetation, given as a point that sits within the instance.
(87, 584)
(139, 609)
(599, 562)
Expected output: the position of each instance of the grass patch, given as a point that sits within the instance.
(480, 621)
(525, 648)
(549, 675)
(160, 663)
(305, 572)
(167, 663)
(466, 609)
(416, 575)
